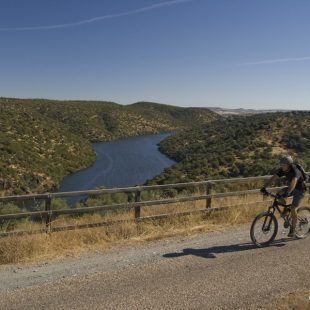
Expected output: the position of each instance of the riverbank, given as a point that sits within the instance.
(120, 163)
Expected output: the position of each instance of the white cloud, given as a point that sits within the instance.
(99, 18)
(273, 61)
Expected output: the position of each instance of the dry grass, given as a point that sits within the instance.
(298, 300)
(37, 247)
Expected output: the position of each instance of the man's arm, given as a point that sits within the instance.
(271, 180)
(292, 186)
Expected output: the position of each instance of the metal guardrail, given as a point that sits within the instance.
(49, 213)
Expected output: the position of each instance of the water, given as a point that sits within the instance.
(120, 163)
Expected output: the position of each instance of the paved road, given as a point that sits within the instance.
(220, 270)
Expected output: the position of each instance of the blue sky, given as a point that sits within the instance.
(228, 53)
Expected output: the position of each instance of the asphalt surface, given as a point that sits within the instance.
(220, 270)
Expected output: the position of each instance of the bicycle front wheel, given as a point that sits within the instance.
(303, 222)
(264, 229)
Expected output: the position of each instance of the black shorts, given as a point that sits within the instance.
(296, 194)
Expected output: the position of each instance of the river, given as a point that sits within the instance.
(120, 163)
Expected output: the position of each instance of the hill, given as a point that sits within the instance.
(41, 141)
(181, 117)
(237, 146)
(35, 151)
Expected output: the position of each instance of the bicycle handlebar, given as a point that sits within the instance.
(267, 193)
(276, 197)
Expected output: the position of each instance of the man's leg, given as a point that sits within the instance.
(282, 191)
(294, 218)
(297, 199)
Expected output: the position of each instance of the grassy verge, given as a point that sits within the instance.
(298, 300)
(37, 247)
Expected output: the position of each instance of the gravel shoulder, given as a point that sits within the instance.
(219, 270)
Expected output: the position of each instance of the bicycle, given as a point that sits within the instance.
(265, 226)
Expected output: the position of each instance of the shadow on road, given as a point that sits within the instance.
(210, 252)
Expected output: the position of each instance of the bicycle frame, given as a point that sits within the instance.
(275, 207)
(266, 223)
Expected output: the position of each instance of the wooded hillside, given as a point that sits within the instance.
(237, 146)
(41, 141)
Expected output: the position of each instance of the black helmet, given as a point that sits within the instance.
(286, 160)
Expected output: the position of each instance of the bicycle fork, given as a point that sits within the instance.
(267, 222)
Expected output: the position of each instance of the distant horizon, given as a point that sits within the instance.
(147, 101)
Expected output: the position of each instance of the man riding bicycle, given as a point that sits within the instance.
(296, 187)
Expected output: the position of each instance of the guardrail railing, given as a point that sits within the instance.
(49, 213)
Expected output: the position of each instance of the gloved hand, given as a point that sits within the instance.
(263, 190)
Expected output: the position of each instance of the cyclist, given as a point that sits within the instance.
(296, 187)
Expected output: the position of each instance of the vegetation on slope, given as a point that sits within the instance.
(35, 152)
(102, 121)
(41, 141)
(237, 146)
(182, 117)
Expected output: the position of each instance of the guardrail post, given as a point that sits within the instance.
(208, 192)
(48, 208)
(138, 208)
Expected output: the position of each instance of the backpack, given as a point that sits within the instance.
(306, 177)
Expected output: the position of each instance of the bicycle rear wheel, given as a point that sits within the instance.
(264, 229)
(303, 222)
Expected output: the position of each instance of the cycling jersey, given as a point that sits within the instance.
(294, 172)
